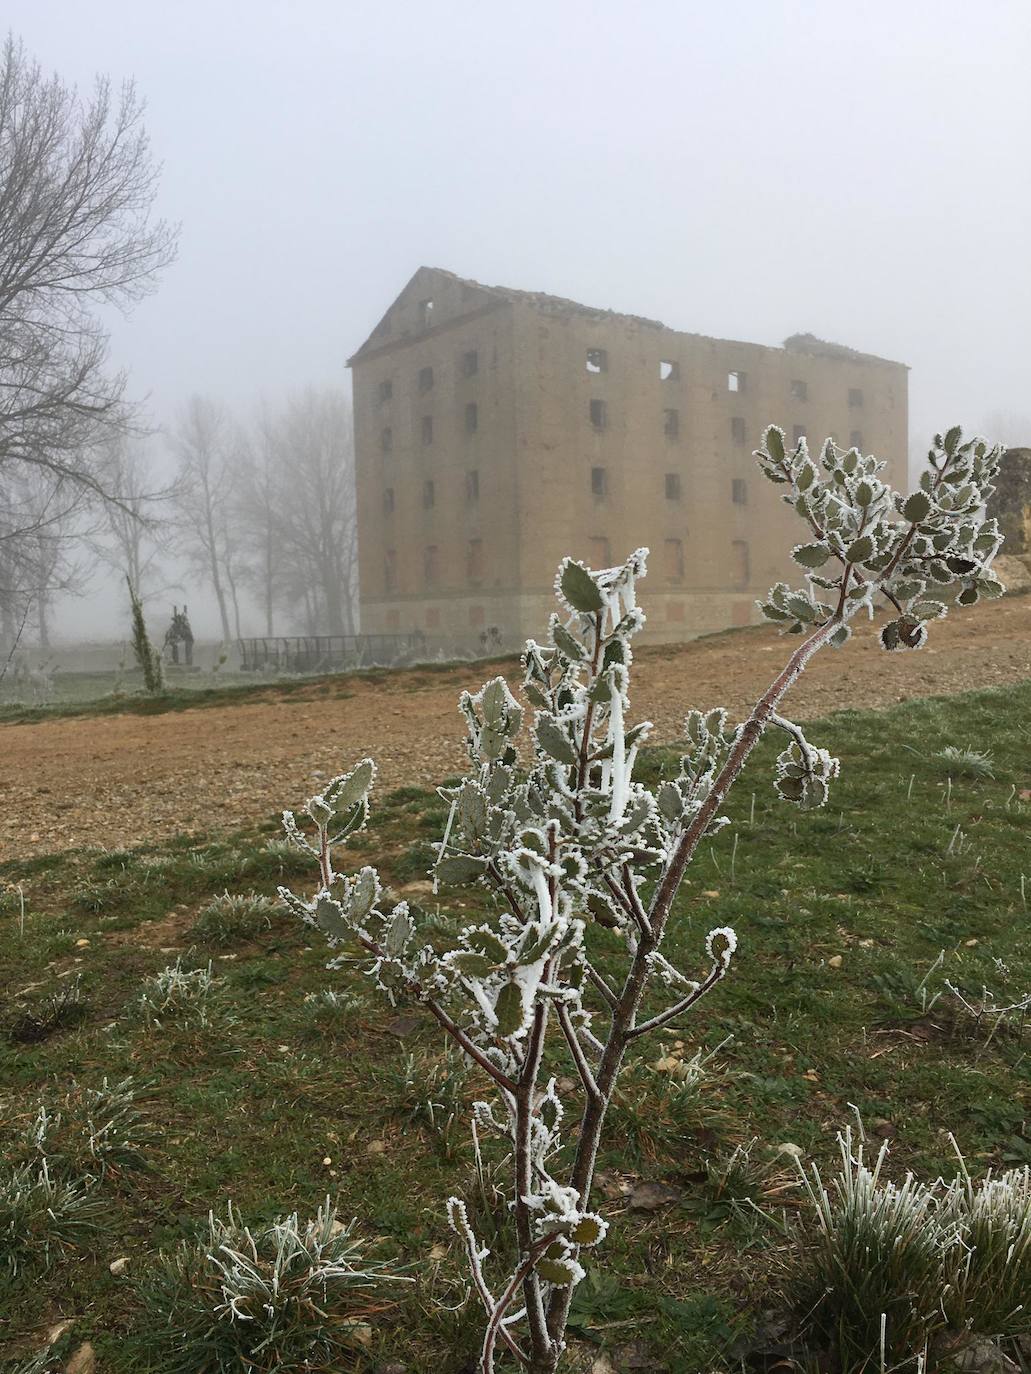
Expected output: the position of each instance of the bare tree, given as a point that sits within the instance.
(316, 504)
(77, 188)
(43, 520)
(258, 515)
(205, 502)
(135, 531)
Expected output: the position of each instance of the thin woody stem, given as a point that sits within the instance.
(717, 973)
(495, 1326)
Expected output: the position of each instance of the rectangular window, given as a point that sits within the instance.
(673, 558)
(672, 486)
(428, 495)
(599, 556)
(739, 491)
(386, 390)
(737, 429)
(386, 439)
(855, 396)
(470, 363)
(472, 486)
(799, 391)
(472, 418)
(433, 617)
(598, 414)
(393, 620)
(388, 500)
(427, 429)
(671, 424)
(855, 439)
(736, 381)
(477, 617)
(798, 432)
(425, 379)
(390, 570)
(431, 565)
(474, 561)
(426, 313)
(669, 371)
(740, 562)
(599, 482)
(597, 360)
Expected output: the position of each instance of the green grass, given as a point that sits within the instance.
(251, 1104)
(107, 694)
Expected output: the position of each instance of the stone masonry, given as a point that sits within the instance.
(498, 430)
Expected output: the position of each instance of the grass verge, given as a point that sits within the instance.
(280, 1094)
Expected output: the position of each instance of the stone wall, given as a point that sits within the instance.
(497, 431)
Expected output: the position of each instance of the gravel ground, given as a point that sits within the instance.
(116, 781)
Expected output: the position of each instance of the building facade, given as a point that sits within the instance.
(498, 430)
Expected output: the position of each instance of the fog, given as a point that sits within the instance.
(859, 171)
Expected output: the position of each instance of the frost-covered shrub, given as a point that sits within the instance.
(957, 762)
(40, 1214)
(872, 1275)
(288, 1296)
(234, 916)
(563, 838)
(988, 1273)
(178, 994)
(897, 1275)
(58, 1011)
(87, 1132)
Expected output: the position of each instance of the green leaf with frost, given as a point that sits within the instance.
(351, 788)
(917, 507)
(811, 555)
(566, 644)
(509, 1010)
(559, 1272)
(928, 610)
(860, 550)
(460, 868)
(801, 608)
(399, 932)
(554, 741)
(471, 965)
(588, 1230)
(330, 917)
(579, 588)
(771, 612)
(775, 444)
(487, 943)
(363, 894)
(670, 802)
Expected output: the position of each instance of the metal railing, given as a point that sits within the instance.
(325, 653)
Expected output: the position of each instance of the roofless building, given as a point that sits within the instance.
(497, 430)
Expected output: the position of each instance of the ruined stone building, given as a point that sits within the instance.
(1011, 506)
(497, 430)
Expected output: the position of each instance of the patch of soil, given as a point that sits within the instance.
(116, 780)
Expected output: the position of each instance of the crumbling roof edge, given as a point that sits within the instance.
(797, 343)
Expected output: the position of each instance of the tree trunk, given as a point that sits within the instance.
(42, 618)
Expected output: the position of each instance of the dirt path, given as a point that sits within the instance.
(116, 780)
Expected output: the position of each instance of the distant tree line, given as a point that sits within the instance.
(265, 507)
(270, 507)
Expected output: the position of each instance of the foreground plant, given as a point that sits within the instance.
(289, 1295)
(564, 838)
(902, 1275)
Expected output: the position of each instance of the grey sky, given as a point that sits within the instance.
(749, 169)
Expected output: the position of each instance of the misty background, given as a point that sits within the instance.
(858, 171)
